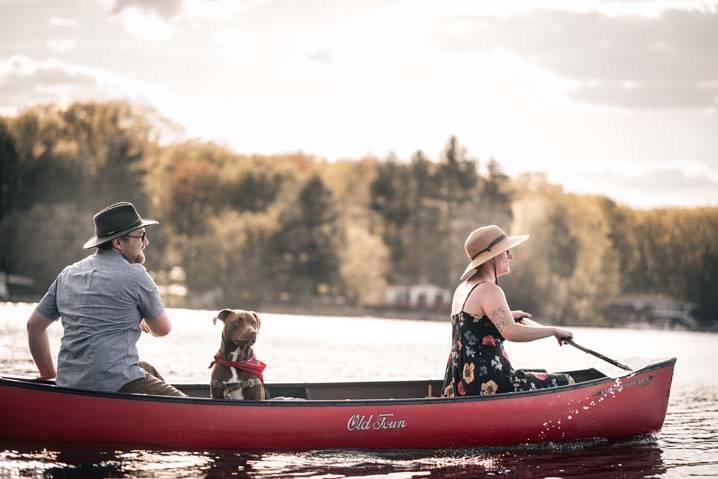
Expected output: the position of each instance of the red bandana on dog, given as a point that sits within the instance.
(251, 365)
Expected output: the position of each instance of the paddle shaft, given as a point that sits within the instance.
(585, 350)
(598, 355)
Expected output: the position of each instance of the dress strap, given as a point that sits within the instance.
(471, 291)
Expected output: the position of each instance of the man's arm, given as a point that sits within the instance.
(39, 343)
(155, 319)
(159, 325)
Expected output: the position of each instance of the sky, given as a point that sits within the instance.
(618, 98)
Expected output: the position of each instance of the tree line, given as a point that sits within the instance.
(255, 230)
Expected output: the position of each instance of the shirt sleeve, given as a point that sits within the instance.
(149, 301)
(48, 304)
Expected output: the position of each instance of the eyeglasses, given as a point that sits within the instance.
(508, 253)
(142, 236)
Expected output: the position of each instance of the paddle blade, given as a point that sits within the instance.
(636, 363)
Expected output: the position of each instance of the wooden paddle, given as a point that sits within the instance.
(598, 355)
(584, 349)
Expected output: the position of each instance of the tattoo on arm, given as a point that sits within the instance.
(501, 317)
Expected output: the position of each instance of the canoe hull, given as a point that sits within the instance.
(631, 405)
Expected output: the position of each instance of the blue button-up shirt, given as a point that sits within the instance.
(101, 300)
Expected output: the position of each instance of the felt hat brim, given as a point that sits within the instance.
(98, 240)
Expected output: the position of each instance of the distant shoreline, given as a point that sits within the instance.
(389, 313)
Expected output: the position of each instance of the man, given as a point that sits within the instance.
(104, 300)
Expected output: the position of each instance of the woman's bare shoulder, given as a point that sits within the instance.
(483, 297)
(488, 289)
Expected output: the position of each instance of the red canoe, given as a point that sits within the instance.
(357, 415)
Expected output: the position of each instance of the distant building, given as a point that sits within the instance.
(15, 287)
(418, 296)
(172, 286)
(651, 310)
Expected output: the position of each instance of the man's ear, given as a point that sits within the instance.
(222, 315)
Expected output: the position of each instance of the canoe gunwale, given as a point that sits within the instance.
(48, 386)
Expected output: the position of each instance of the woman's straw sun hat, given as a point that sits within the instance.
(485, 243)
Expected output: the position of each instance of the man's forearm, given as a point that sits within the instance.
(39, 343)
(40, 350)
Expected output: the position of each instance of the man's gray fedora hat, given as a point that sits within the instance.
(114, 221)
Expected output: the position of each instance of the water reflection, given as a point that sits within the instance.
(89, 463)
(686, 446)
(636, 459)
(68, 460)
(30, 459)
(231, 464)
(640, 458)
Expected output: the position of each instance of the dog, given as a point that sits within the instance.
(237, 373)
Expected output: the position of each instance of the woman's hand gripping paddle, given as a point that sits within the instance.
(531, 322)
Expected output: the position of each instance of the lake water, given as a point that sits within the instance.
(307, 348)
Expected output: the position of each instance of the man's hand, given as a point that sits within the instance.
(144, 327)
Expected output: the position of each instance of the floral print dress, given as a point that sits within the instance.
(478, 363)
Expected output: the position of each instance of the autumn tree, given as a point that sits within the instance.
(8, 171)
(305, 247)
(389, 198)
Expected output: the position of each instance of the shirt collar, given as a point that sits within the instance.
(111, 254)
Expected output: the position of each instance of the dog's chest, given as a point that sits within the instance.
(233, 391)
(233, 387)
(232, 381)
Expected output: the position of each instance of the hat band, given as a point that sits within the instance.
(488, 248)
(108, 233)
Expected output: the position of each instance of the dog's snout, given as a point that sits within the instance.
(244, 333)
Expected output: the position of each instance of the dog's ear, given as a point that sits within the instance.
(259, 321)
(222, 315)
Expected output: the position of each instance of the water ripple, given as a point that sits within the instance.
(320, 348)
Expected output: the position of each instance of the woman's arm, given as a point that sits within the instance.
(493, 302)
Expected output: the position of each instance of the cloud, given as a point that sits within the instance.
(148, 20)
(61, 45)
(631, 61)
(166, 9)
(663, 96)
(641, 185)
(25, 81)
(218, 11)
(321, 56)
(237, 45)
(63, 22)
(146, 26)
(674, 181)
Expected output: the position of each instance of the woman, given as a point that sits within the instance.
(481, 320)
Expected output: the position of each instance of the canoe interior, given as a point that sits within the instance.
(365, 389)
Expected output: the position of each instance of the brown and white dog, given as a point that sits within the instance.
(237, 373)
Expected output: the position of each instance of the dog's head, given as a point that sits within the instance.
(240, 327)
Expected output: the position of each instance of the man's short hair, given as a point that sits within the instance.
(107, 245)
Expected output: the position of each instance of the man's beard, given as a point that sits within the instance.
(139, 259)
